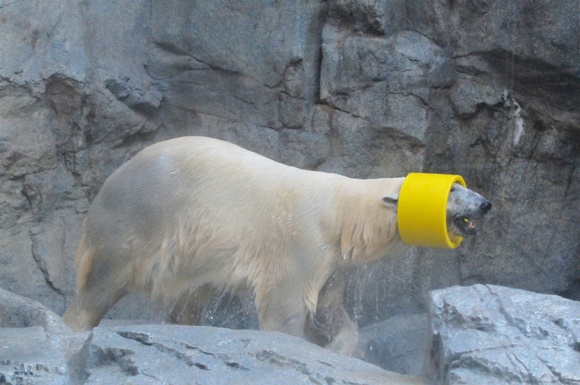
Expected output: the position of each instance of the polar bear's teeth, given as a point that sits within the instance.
(470, 224)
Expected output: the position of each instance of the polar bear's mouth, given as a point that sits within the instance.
(464, 224)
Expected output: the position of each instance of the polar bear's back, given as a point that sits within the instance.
(179, 174)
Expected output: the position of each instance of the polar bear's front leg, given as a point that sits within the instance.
(331, 326)
(190, 307)
(346, 337)
(282, 309)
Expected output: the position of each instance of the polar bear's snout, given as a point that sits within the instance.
(463, 208)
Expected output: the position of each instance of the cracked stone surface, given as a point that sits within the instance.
(480, 334)
(27, 357)
(169, 354)
(491, 334)
(37, 348)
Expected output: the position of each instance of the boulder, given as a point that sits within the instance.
(17, 312)
(485, 334)
(153, 354)
(21, 313)
(482, 334)
(27, 357)
(398, 344)
(37, 348)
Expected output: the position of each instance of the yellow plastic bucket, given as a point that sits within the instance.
(422, 210)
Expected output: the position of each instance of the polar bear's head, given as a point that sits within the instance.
(463, 207)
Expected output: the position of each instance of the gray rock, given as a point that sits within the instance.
(398, 344)
(479, 335)
(18, 312)
(28, 358)
(487, 334)
(22, 313)
(384, 80)
(37, 348)
(269, 87)
(370, 16)
(157, 354)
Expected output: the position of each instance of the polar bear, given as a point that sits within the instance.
(191, 216)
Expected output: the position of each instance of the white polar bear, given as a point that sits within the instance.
(191, 216)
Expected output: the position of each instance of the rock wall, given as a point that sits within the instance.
(485, 89)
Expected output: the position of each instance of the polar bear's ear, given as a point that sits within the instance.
(391, 200)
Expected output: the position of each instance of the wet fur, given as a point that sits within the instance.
(191, 216)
